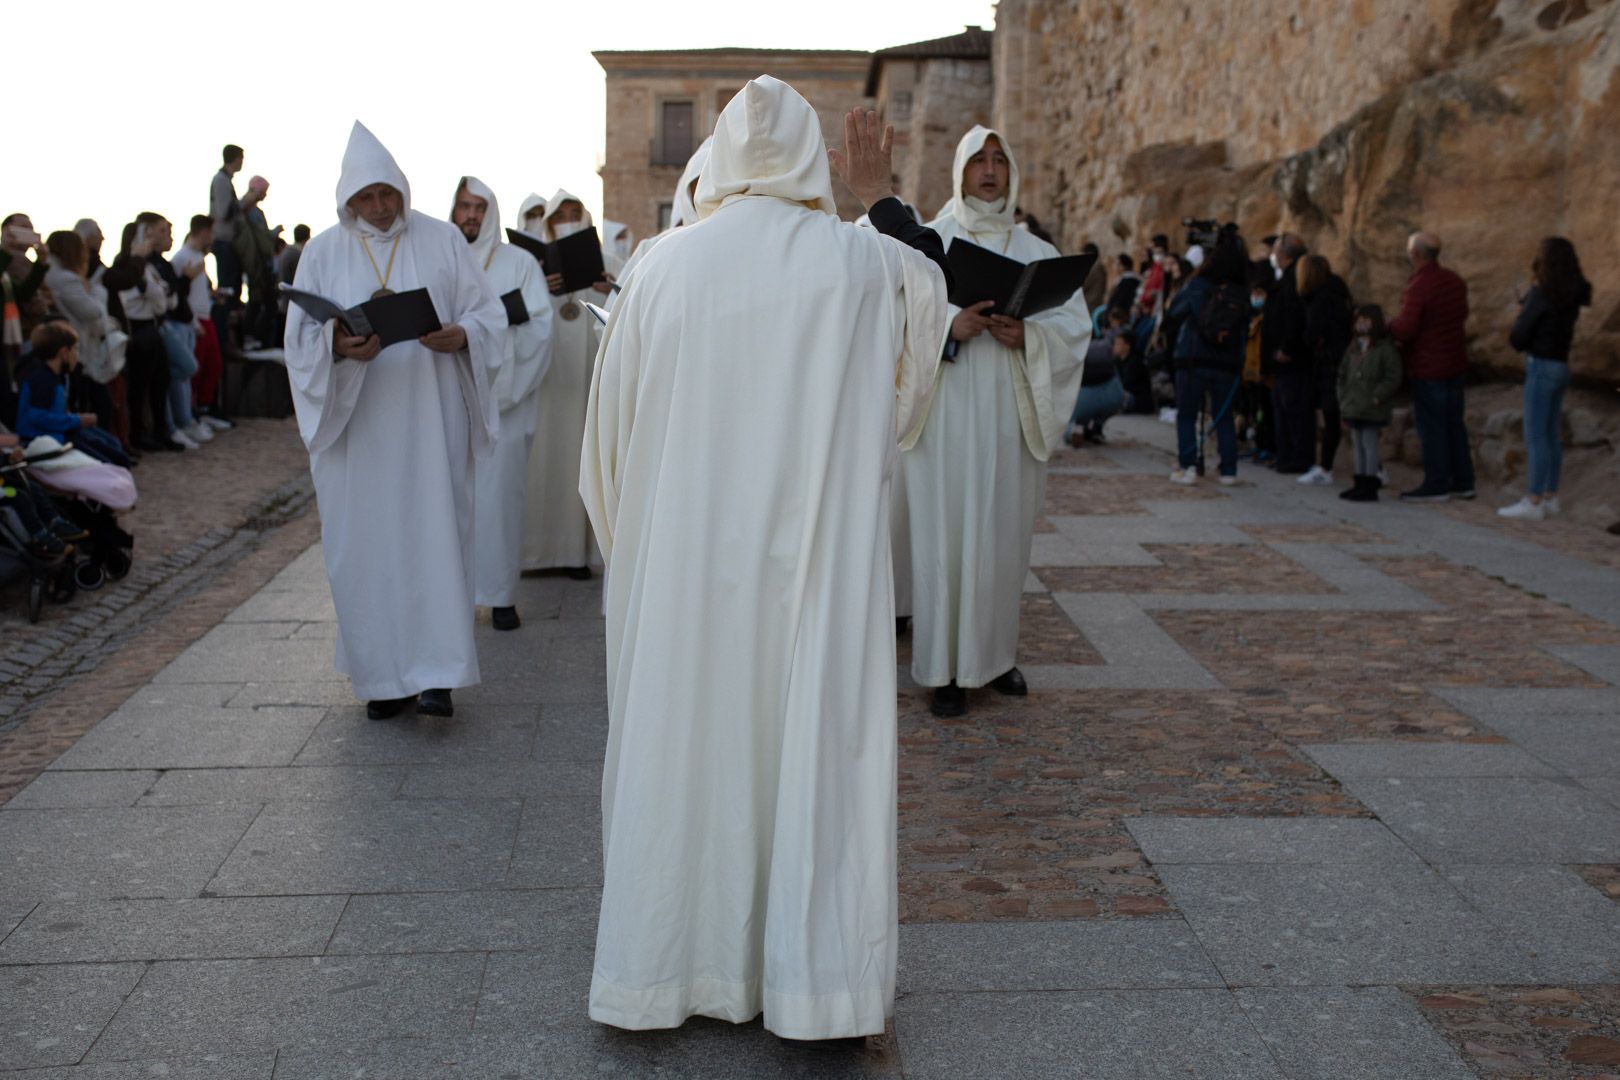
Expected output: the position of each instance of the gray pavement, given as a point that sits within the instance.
(236, 875)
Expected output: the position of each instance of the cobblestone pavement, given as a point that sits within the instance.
(1303, 789)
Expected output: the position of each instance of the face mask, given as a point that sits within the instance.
(1272, 259)
(569, 228)
(1364, 330)
(1257, 302)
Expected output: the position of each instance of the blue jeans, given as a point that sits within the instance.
(1193, 387)
(1437, 409)
(180, 343)
(1098, 402)
(1544, 384)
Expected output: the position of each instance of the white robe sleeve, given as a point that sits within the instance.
(478, 311)
(928, 324)
(1046, 374)
(610, 414)
(530, 343)
(325, 386)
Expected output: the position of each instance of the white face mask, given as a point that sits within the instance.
(568, 228)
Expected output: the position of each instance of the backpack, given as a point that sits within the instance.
(1224, 318)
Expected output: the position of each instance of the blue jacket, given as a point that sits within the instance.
(1191, 350)
(42, 405)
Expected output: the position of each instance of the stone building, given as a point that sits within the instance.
(932, 92)
(661, 105)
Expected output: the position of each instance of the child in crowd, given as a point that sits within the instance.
(1368, 379)
(42, 395)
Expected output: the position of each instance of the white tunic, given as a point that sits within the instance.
(741, 433)
(976, 467)
(391, 443)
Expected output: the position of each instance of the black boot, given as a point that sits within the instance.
(1354, 489)
(1366, 490)
(949, 701)
(578, 573)
(1012, 684)
(505, 618)
(902, 623)
(434, 703)
(386, 708)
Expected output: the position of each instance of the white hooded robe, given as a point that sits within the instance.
(742, 430)
(975, 462)
(502, 479)
(392, 440)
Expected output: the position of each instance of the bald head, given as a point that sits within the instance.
(1423, 247)
(1290, 249)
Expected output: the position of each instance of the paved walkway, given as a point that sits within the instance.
(1304, 790)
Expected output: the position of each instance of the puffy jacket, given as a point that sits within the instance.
(1433, 323)
(1368, 381)
(1544, 331)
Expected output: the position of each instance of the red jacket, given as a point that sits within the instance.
(1432, 325)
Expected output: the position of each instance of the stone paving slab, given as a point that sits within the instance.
(1489, 704)
(491, 921)
(1169, 841)
(1494, 819)
(324, 689)
(193, 1007)
(52, 1015)
(1366, 924)
(309, 783)
(537, 990)
(1138, 652)
(1573, 929)
(560, 841)
(1078, 955)
(12, 913)
(1605, 787)
(1111, 1035)
(488, 734)
(207, 1067)
(108, 854)
(206, 695)
(1600, 660)
(193, 737)
(100, 930)
(68, 790)
(261, 661)
(1415, 760)
(1350, 1033)
(299, 848)
(274, 605)
(1579, 745)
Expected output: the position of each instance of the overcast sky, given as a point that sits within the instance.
(137, 119)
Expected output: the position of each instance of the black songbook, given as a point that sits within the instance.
(395, 318)
(517, 313)
(1019, 290)
(577, 258)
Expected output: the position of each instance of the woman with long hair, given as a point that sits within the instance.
(1544, 331)
(1327, 336)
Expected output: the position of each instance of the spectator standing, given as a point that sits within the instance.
(287, 266)
(1254, 396)
(90, 232)
(1544, 332)
(1213, 314)
(1283, 345)
(178, 332)
(1095, 289)
(1125, 285)
(255, 248)
(225, 208)
(26, 263)
(83, 304)
(1368, 377)
(1327, 336)
(191, 263)
(1432, 332)
(139, 297)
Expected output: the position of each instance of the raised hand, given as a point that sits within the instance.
(866, 163)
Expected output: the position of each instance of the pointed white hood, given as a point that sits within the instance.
(489, 234)
(971, 212)
(616, 238)
(554, 204)
(768, 142)
(534, 201)
(366, 162)
(685, 212)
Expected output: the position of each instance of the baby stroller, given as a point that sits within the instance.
(51, 577)
(88, 493)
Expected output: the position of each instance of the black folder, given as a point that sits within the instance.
(517, 312)
(1019, 290)
(577, 258)
(398, 317)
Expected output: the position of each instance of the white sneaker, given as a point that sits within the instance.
(1383, 477)
(1184, 476)
(1167, 415)
(1316, 476)
(1227, 481)
(185, 440)
(1550, 506)
(217, 423)
(200, 432)
(1523, 510)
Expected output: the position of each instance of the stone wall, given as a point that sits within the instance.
(948, 98)
(1352, 122)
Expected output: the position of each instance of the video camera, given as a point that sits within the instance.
(1205, 231)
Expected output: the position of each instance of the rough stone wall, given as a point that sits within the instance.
(1491, 122)
(948, 98)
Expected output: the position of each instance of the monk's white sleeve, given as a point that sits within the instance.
(928, 323)
(610, 413)
(531, 341)
(325, 387)
(479, 312)
(1046, 374)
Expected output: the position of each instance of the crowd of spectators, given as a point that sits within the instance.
(1270, 350)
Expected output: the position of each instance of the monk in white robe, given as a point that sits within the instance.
(392, 434)
(503, 479)
(531, 216)
(556, 532)
(742, 429)
(975, 462)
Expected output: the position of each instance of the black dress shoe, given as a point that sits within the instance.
(505, 618)
(434, 703)
(386, 708)
(579, 573)
(902, 624)
(949, 701)
(857, 1042)
(1012, 684)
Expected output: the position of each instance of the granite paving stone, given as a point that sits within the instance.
(274, 605)
(1494, 819)
(258, 1066)
(1073, 955)
(108, 854)
(251, 661)
(207, 695)
(491, 921)
(309, 783)
(1583, 744)
(1102, 1035)
(12, 913)
(322, 688)
(1331, 841)
(401, 846)
(191, 1007)
(1605, 787)
(560, 841)
(52, 1015)
(1572, 929)
(482, 733)
(65, 790)
(1350, 1033)
(99, 930)
(193, 737)
(1432, 759)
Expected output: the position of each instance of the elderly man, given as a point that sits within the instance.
(975, 459)
(740, 437)
(1432, 330)
(392, 434)
(503, 479)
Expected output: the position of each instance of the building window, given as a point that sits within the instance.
(674, 144)
(666, 211)
(900, 106)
